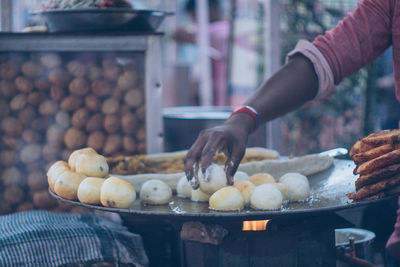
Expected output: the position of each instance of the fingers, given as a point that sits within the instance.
(232, 163)
(211, 148)
(194, 181)
(192, 158)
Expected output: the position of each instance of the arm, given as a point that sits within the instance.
(292, 86)
(356, 41)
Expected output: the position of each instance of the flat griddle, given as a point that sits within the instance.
(328, 194)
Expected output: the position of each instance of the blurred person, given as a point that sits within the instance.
(312, 71)
(218, 29)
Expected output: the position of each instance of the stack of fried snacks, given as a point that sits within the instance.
(377, 159)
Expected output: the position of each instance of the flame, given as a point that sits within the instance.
(260, 225)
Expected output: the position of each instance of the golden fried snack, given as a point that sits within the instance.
(383, 137)
(390, 158)
(359, 147)
(89, 190)
(55, 171)
(227, 198)
(373, 189)
(373, 197)
(67, 184)
(374, 153)
(117, 193)
(74, 156)
(262, 178)
(377, 175)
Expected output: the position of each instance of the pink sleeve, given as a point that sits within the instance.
(326, 86)
(358, 39)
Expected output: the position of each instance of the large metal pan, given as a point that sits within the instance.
(328, 193)
(109, 19)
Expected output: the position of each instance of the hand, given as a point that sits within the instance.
(230, 138)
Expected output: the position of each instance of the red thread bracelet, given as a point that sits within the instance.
(251, 111)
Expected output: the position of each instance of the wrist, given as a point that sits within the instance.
(244, 118)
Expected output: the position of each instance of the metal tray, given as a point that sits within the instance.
(328, 193)
(109, 19)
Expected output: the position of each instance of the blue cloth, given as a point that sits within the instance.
(42, 238)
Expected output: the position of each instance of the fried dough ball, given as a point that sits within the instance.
(117, 193)
(11, 126)
(283, 188)
(199, 196)
(226, 199)
(113, 144)
(50, 60)
(9, 70)
(127, 80)
(245, 188)
(155, 192)
(89, 163)
(67, 184)
(94, 165)
(262, 178)
(59, 77)
(74, 156)
(89, 190)
(97, 139)
(32, 69)
(8, 88)
(129, 144)
(298, 187)
(134, 98)
(79, 86)
(183, 189)
(74, 138)
(239, 175)
(23, 84)
(76, 68)
(217, 179)
(101, 88)
(80, 118)
(266, 197)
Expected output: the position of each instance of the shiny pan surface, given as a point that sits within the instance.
(328, 194)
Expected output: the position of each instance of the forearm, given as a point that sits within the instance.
(289, 88)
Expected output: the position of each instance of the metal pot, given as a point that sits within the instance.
(183, 124)
(363, 240)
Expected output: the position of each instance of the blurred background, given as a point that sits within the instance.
(246, 42)
(212, 58)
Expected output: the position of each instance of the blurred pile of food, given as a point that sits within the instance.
(81, 4)
(377, 158)
(54, 103)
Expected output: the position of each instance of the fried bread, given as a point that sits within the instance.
(360, 147)
(377, 175)
(373, 153)
(387, 159)
(382, 137)
(373, 189)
